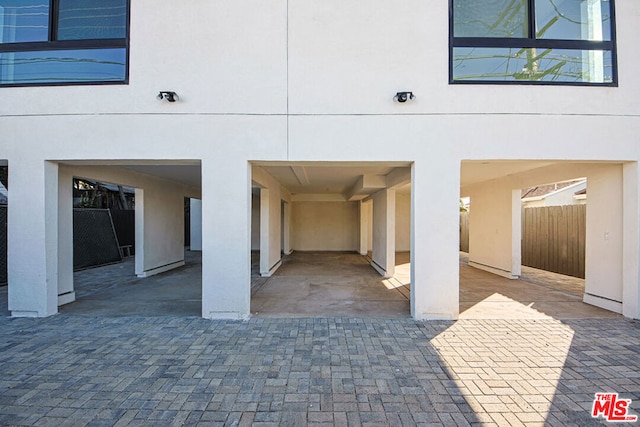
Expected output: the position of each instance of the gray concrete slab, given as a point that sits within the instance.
(95, 365)
(328, 284)
(173, 371)
(324, 284)
(114, 290)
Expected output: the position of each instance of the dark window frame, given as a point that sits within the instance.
(82, 44)
(532, 42)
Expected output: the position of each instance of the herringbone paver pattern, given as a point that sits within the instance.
(80, 370)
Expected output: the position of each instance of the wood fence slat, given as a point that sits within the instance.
(553, 238)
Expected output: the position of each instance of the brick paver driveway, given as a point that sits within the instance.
(81, 370)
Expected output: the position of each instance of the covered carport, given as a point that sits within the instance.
(494, 187)
(328, 236)
(160, 188)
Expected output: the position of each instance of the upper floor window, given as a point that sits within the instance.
(63, 42)
(533, 41)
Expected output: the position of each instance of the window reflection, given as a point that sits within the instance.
(24, 21)
(548, 65)
(491, 18)
(63, 66)
(92, 19)
(573, 20)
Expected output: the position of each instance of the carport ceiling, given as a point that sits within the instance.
(321, 179)
(186, 172)
(474, 171)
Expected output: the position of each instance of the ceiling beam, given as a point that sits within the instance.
(301, 174)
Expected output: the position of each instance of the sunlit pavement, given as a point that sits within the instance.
(80, 370)
(130, 369)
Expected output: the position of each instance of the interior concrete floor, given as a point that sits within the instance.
(538, 294)
(114, 290)
(324, 283)
(328, 284)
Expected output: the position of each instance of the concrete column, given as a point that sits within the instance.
(286, 228)
(516, 233)
(159, 229)
(384, 232)
(195, 221)
(435, 239)
(33, 238)
(365, 226)
(631, 239)
(66, 293)
(495, 229)
(226, 239)
(604, 239)
(139, 232)
(264, 232)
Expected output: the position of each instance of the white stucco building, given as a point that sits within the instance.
(293, 101)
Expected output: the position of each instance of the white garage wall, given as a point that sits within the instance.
(403, 222)
(325, 226)
(255, 222)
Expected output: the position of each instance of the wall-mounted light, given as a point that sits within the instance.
(403, 96)
(168, 95)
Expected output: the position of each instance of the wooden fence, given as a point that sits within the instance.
(464, 231)
(553, 238)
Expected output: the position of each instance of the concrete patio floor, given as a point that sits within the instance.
(106, 367)
(325, 284)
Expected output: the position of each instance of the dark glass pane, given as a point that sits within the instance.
(92, 19)
(573, 19)
(545, 65)
(490, 18)
(61, 66)
(24, 21)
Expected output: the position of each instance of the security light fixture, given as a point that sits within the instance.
(168, 95)
(403, 96)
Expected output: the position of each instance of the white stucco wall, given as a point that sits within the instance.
(255, 222)
(270, 214)
(325, 226)
(301, 81)
(604, 239)
(195, 224)
(403, 222)
(491, 228)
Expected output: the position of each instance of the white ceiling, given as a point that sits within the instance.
(322, 179)
(319, 177)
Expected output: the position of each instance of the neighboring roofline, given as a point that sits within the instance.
(537, 198)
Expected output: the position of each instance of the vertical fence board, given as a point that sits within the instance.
(553, 239)
(464, 231)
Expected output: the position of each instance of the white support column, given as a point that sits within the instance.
(66, 292)
(631, 239)
(33, 238)
(226, 239)
(365, 226)
(384, 232)
(604, 252)
(495, 229)
(159, 229)
(264, 232)
(139, 232)
(516, 233)
(435, 240)
(286, 230)
(195, 222)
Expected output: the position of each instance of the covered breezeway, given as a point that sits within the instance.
(352, 226)
(113, 290)
(495, 222)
